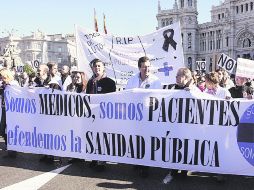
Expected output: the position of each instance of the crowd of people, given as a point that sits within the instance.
(216, 83)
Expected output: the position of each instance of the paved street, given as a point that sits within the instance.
(26, 171)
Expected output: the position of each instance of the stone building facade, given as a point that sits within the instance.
(231, 30)
(41, 48)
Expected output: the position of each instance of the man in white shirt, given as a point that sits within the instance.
(144, 79)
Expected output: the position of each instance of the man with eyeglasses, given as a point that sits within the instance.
(144, 79)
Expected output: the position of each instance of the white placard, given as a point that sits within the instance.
(121, 54)
(226, 63)
(245, 68)
(201, 65)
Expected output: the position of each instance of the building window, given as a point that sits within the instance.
(59, 49)
(189, 3)
(223, 15)
(28, 57)
(167, 23)
(190, 63)
(211, 64)
(246, 43)
(182, 3)
(38, 58)
(242, 8)
(28, 45)
(171, 21)
(59, 60)
(219, 16)
(227, 41)
(163, 23)
(246, 7)
(237, 9)
(189, 40)
(38, 46)
(251, 6)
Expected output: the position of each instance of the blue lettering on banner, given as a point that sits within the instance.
(19, 105)
(121, 111)
(245, 135)
(34, 139)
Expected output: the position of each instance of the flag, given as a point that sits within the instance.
(104, 21)
(95, 22)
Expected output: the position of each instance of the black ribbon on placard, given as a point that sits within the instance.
(169, 40)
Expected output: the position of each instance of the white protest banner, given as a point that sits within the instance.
(201, 65)
(245, 68)
(121, 54)
(226, 63)
(162, 128)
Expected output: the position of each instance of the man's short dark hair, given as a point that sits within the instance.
(142, 60)
(94, 61)
(51, 64)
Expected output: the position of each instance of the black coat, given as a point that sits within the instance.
(103, 86)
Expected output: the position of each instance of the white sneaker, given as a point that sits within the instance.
(168, 179)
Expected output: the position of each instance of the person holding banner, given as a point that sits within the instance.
(144, 79)
(184, 81)
(78, 85)
(6, 78)
(99, 83)
(43, 80)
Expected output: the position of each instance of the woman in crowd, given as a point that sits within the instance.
(79, 82)
(78, 85)
(55, 79)
(224, 79)
(6, 78)
(201, 83)
(213, 87)
(99, 83)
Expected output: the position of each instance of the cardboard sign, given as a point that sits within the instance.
(226, 63)
(201, 65)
